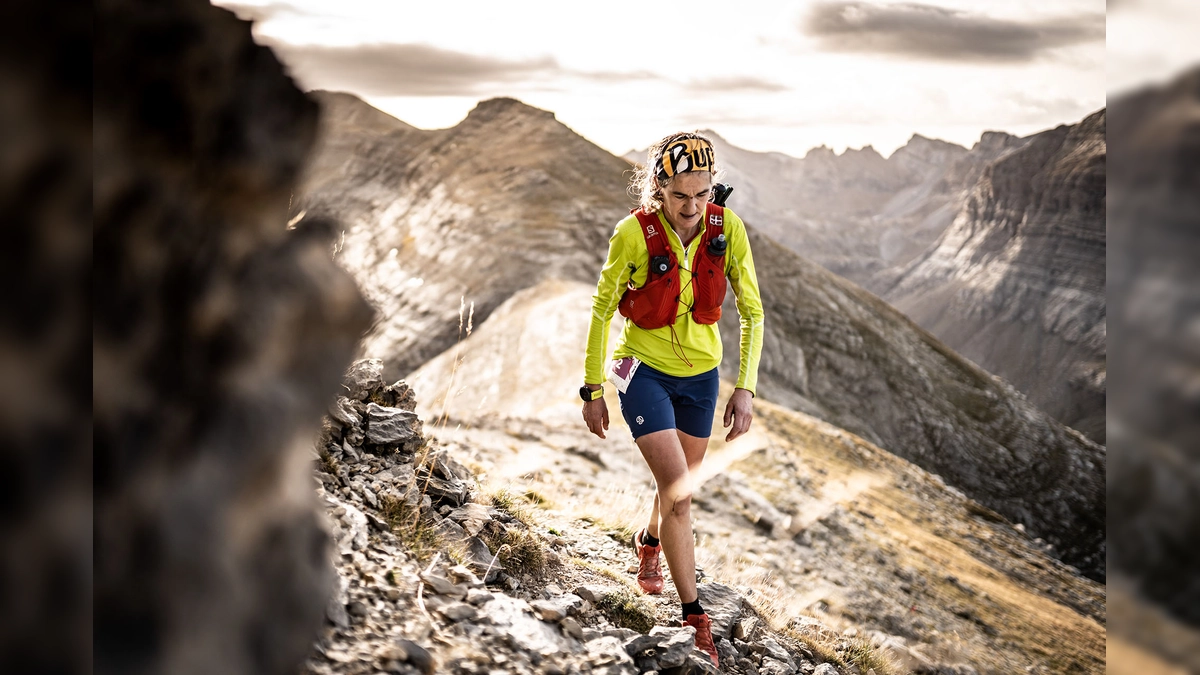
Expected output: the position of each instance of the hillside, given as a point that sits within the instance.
(1017, 283)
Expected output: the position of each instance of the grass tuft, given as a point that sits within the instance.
(830, 647)
(867, 657)
(627, 610)
(521, 551)
(514, 504)
(414, 533)
(326, 462)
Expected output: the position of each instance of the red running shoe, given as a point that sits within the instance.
(649, 575)
(704, 641)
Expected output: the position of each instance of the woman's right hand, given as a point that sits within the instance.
(595, 413)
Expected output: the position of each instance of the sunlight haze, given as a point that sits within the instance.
(767, 76)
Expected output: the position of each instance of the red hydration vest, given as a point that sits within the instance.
(656, 303)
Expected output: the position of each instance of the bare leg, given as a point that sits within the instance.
(693, 452)
(665, 454)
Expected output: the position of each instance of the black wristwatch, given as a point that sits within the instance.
(588, 394)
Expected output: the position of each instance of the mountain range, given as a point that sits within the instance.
(855, 213)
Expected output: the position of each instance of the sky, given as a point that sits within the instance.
(767, 76)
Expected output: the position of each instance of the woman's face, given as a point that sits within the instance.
(684, 199)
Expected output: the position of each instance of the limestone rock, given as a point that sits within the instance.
(662, 648)
(343, 411)
(443, 586)
(480, 560)
(363, 377)
(523, 630)
(773, 649)
(558, 607)
(472, 517)
(607, 655)
(459, 611)
(591, 593)
(389, 426)
(723, 605)
(571, 627)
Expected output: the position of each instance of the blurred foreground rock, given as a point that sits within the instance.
(45, 271)
(220, 336)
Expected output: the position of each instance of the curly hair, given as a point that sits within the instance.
(645, 187)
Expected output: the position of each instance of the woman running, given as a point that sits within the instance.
(666, 272)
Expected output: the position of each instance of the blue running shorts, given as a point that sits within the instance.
(655, 401)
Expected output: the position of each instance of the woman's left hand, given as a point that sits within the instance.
(738, 413)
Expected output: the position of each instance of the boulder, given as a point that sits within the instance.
(723, 605)
(389, 426)
(363, 377)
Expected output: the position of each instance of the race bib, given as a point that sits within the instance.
(621, 371)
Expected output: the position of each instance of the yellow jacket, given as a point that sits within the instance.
(627, 262)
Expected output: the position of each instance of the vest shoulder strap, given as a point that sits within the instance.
(652, 231)
(714, 217)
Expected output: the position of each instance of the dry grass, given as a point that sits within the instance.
(604, 571)
(829, 647)
(520, 550)
(627, 610)
(327, 463)
(515, 504)
(618, 511)
(415, 533)
(621, 532)
(867, 657)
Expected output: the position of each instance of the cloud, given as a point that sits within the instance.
(424, 70)
(407, 69)
(739, 83)
(929, 32)
(259, 13)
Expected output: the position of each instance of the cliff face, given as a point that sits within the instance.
(1017, 283)
(505, 199)
(219, 337)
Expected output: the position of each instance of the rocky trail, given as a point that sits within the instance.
(499, 544)
(438, 575)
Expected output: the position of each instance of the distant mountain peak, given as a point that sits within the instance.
(506, 107)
